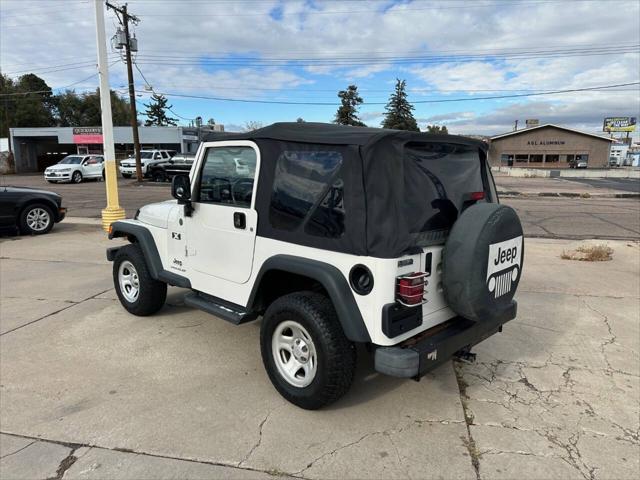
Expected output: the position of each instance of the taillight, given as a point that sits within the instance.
(410, 289)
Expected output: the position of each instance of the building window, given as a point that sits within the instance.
(537, 158)
(551, 158)
(522, 158)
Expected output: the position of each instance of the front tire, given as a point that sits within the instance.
(76, 177)
(36, 219)
(138, 292)
(305, 352)
(159, 176)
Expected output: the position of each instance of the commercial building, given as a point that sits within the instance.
(549, 146)
(34, 149)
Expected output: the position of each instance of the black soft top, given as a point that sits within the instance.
(332, 134)
(380, 217)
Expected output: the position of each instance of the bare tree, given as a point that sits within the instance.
(252, 125)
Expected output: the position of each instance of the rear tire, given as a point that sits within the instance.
(308, 358)
(36, 219)
(138, 292)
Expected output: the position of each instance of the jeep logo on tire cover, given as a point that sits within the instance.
(504, 265)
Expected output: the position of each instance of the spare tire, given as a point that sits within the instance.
(482, 262)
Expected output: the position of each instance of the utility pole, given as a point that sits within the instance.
(113, 211)
(124, 19)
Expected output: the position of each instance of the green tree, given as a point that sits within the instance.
(398, 115)
(437, 129)
(84, 110)
(347, 113)
(157, 112)
(25, 102)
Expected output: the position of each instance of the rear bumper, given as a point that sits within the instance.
(418, 355)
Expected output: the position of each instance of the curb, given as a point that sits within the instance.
(511, 194)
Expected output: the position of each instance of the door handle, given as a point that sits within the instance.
(239, 220)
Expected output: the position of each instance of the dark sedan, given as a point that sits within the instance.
(32, 211)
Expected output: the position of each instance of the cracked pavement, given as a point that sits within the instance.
(88, 391)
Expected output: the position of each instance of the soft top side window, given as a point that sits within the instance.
(308, 193)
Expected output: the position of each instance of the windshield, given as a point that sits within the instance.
(439, 179)
(146, 155)
(70, 160)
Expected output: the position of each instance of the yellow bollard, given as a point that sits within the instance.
(113, 211)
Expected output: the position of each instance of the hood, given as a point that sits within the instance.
(29, 190)
(156, 214)
(59, 166)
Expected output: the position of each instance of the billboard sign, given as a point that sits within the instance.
(619, 124)
(87, 135)
(532, 122)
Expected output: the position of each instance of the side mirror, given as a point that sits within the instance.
(181, 188)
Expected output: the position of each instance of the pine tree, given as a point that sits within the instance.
(156, 112)
(347, 113)
(398, 109)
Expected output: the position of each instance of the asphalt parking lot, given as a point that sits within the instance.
(631, 185)
(91, 392)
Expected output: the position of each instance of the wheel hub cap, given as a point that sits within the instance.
(38, 219)
(129, 281)
(294, 353)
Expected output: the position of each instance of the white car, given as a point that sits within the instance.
(75, 168)
(147, 158)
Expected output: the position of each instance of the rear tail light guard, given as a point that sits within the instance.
(410, 289)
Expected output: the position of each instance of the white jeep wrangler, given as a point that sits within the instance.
(335, 236)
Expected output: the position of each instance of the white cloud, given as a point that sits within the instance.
(61, 32)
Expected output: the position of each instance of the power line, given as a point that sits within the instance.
(151, 88)
(54, 88)
(449, 100)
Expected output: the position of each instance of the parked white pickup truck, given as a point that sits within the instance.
(147, 158)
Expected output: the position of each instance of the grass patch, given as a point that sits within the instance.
(589, 253)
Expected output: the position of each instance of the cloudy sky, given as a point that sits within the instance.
(240, 55)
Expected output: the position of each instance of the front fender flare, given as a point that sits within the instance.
(144, 238)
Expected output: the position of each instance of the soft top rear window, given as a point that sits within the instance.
(439, 179)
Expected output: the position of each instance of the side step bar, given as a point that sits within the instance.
(216, 306)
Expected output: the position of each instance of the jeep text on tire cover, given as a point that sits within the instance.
(334, 235)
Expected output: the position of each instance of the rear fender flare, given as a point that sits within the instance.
(331, 279)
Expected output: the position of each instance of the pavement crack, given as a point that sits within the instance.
(71, 304)
(335, 450)
(257, 444)
(468, 442)
(17, 451)
(65, 464)
(76, 446)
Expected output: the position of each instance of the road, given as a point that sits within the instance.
(631, 185)
(547, 217)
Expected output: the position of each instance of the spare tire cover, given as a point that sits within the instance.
(482, 261)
